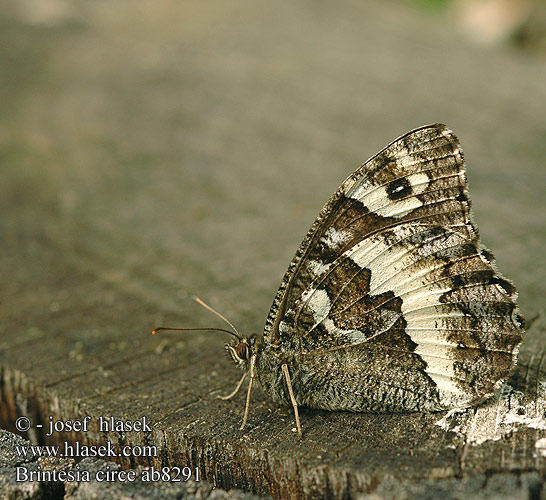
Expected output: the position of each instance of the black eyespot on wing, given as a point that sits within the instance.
(403, 221)
(399, 188)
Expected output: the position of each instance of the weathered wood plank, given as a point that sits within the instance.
(63, 478)
(191, 162)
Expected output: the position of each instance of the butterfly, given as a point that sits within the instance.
(391, 302)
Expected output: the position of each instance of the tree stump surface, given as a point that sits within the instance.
(155, 151)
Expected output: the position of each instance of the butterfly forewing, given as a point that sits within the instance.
(392, 289)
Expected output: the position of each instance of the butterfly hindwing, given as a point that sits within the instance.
(393, 291)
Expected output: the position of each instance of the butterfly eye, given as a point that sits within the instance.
(242, 350)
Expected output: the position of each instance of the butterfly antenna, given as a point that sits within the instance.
(206, 306)
(154, 332)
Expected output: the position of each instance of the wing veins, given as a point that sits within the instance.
(468, 285)
(303, 304)
(316, 284)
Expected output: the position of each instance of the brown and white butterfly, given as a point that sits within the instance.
(391, 302)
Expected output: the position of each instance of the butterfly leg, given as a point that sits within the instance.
(292, 398)
(239, 384)
(247, 405)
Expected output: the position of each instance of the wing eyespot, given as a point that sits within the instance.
(392, 272)
(398, 189)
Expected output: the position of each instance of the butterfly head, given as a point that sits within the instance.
(240, 350)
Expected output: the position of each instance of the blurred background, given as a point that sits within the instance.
(155, 150)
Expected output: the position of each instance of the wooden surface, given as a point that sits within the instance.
(155, 151)
(79, 487)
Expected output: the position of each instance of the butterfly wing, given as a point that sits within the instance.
(392, 286)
